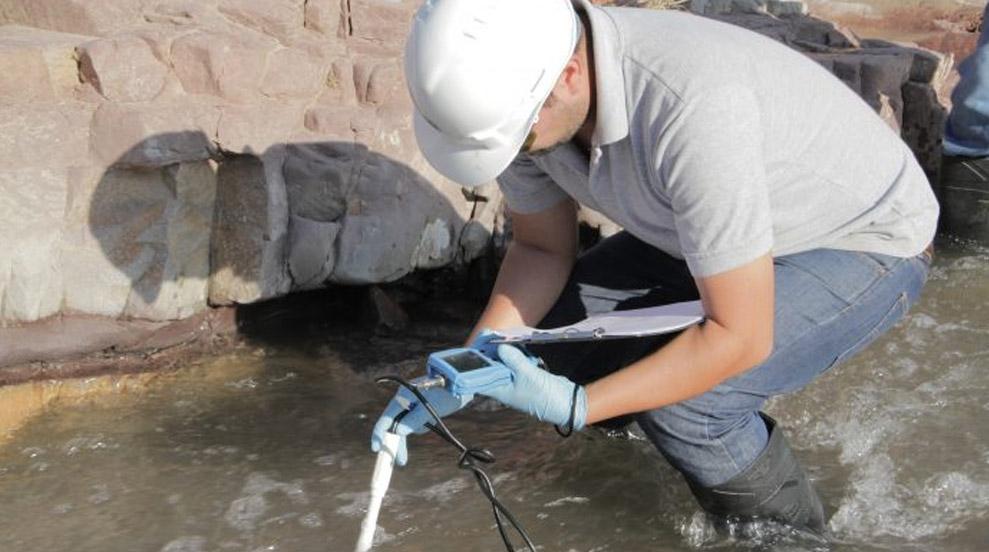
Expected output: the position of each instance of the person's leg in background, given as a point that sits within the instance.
(830, 304)
(964, 187)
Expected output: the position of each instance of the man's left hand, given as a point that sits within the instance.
(548, 397)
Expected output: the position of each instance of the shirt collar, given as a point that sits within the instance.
(611, 124)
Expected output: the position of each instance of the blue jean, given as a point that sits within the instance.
(830, 304)
(967, 129)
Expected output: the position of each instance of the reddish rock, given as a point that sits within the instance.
(282, 19)
(257, 127)
(84, 17)
(122, 69)
(221, 65)
(379, 27)
(45, 136)
(325, 17)
(37, 65)
(293, 73)
(330, 122)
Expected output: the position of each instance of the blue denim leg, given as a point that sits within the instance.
(829, 305)
(967, 129)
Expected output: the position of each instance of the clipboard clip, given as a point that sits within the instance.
(569, 334)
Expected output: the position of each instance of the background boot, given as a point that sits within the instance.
(773, 487)
(965, 197)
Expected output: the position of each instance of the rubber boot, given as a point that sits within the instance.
(965, 198)
(773, 487)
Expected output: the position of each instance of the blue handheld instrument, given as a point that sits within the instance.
(465, 372)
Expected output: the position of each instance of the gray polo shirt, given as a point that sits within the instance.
(718, 145)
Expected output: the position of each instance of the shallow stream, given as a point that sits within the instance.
(267, 450)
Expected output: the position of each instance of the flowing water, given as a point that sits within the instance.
(267, 450)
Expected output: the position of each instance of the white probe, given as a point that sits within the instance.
(379, 486)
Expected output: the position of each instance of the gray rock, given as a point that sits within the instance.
(250, 227)
(312, 251)
(131, 135)
(137, 241)
(318, 178)
(385, 312)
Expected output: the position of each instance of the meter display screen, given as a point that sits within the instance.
(466, 361)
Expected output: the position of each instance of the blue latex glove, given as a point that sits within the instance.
(444, 402)
(483, 343)
(548, 397)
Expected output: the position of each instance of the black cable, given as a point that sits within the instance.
(468, 457)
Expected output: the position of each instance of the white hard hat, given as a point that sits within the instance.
(478, 71)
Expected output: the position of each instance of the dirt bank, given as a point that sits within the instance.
(942, 25)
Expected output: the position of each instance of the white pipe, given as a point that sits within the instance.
(379, 486)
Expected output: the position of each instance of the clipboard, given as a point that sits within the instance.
(613, 325)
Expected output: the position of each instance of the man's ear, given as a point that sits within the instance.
(571, 76)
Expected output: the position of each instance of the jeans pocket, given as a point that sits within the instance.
(892, 316)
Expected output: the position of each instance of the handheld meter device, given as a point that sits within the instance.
(467, 371)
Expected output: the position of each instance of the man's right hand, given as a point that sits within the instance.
(444, 402)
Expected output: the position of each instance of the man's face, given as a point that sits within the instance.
(560, 117)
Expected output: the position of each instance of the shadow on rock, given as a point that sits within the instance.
(184, 226)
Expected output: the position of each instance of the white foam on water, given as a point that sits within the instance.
(85, 443)
(101, 493)
(358, 502)
(245, 511)
(381, 537)
(881, 505)
(311, 520)
(697, 530)
(701, 531)
(62, 508)
(567, 500)
(443, 492)
(193, 543)
(327, 460)
(246, 383)
(260, 484)
(33, 452)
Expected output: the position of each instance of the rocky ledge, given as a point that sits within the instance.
(164, 157)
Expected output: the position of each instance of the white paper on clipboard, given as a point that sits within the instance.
(612, 325)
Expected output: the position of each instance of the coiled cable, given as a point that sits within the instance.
(469, 459)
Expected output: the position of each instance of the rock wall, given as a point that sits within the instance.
(160, 156)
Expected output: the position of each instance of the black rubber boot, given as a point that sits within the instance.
(965, 197)
(773, 487)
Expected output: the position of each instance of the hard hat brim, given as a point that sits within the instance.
(465, 163)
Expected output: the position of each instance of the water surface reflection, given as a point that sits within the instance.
(267, 450)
